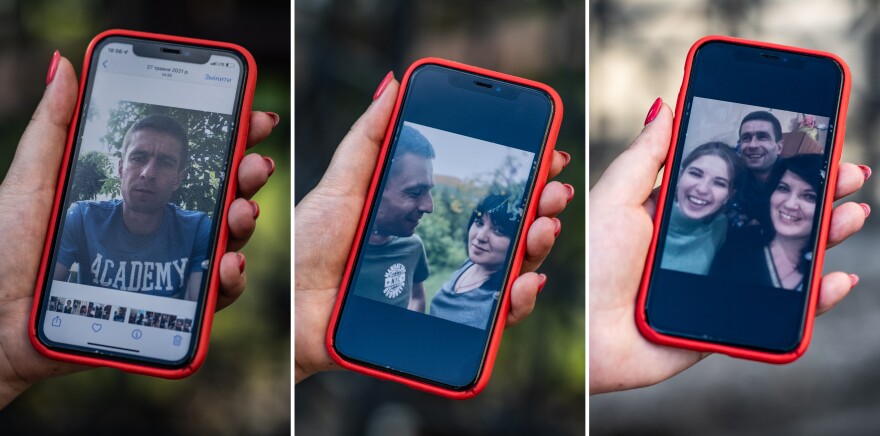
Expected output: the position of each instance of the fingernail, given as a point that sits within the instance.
(655, 109)
(570, 192)
(275, 118)
(383, 85)
(558, 227)
(566, 158)
(270, 163)
(544, 282)
(256, 208)
(855, 280)
(53, 67)
(866, 208)
(866, 170)
(240, 262)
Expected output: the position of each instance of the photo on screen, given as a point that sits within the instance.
(745, 202)
(141, 199)
(443, 228)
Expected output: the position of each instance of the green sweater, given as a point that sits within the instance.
(691, 244)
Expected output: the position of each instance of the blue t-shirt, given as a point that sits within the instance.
(110, 256)
(474, 307)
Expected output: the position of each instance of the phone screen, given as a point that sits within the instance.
(431, 270)
(138, 224)
(735, 252)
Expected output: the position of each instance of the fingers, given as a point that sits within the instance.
(850, 179)
(355, 159)
(523, 294)
(261, 126)
(554, 198)
(630, 178)
(560, 160)
(232, 279)
(835, 286)
(539, 240)
(242, 222)
(846, 220)
(38, 156)
(253, 172)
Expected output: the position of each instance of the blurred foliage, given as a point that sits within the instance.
(93, 173)
(343, 49)
(244, 385)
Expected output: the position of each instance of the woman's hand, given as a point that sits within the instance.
(26, 197)
(621, 214)
(327, 219)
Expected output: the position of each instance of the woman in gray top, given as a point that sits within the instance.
(469, 297)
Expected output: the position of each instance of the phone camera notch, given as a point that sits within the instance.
(170, 50)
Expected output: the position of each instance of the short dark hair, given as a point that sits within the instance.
(411, 141)
(505, 214)
(764, 116)
(162, 124)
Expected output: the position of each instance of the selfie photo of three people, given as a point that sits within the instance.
(746, 194)
(445, 225)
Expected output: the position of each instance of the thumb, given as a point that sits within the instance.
(353, 162)
(630, 178)
(34, 169)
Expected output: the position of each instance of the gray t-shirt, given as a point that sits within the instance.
(388, 271)
(473, 308)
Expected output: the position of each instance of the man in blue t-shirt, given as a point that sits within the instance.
(141, 243)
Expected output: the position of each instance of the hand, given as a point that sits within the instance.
(327, 219)
(26, 197)
(620, 234)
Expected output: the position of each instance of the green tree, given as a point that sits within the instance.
(93, 169)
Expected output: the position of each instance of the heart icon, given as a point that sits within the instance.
(96, 327)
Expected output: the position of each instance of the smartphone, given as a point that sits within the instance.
(744, 206)
(129, 272)
(426, 291)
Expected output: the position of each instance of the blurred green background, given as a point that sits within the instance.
(343, 49)
(244, 386)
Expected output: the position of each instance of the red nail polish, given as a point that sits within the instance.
(866, 208)
(270, 163)
(566, 158)
(240, 262)
(654, 111)
(383, 85)
(53, 67)
(570, 192)
(256, 208)
(275, 118)
(543, 282)
(866, 170)
(855, 280)
(558, 227)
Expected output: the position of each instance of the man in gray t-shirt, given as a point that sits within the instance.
(393, 265)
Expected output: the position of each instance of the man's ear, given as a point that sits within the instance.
(120, 166)
(779, 146)
(181, 175)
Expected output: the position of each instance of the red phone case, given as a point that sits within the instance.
(819, 255)
(201, 348)
(529, 217)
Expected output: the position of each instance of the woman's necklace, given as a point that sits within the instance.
(786, 268)
(467, 280)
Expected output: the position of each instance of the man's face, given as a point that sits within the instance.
(758, 147)
(406, 197)
(150, 170)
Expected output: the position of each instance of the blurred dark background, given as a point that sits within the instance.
(343, 49)
(244, 386)
(637, 53)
